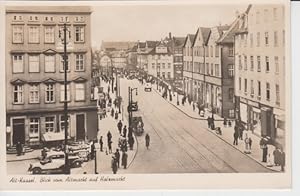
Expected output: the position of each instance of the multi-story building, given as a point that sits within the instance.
(35, 74)
(260, 70)
(188, 65)
(119, 59)
(160, 62)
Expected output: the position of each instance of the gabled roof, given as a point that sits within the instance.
(205, 32)
(178, 41)
(151, 44)
(49, 80)
(141, 44)
(191, 37)
(79, 79)
(18, 81)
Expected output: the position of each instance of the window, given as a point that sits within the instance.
(258, 39)
(240, 84)
(277, 95)
(207, 68)
(62, 123)
(34, 128)
(230, 70)
(266, 38)
(211, 51)
(266, 13)
(252, 87)
(258, 64)
(18, 18)
(217, 67)
(62, 93)
(258, 89)
(18, 94)
(49, 34)
(267, 64)
(257, 17)
(50, 98)
(276, 65)
(163, 74)
(34, 63)
(79, 92)
(79, 62)
(18, 64)
(275, 14)
(275, 38)
(62, 67)
(33, 34)
(245, 85)
(230, 51)
(231, 113)
(49, 63)
(251, 40)
(169, 65)
(245, 41)
(245, 62)
(268, 91)
(207, 51)
(240, 62)
(79, 34)
(251, 63)
(17, 34)
(163, 65)
(230, 94)
(34, 94)
(50, 124)
(169, 75)
(212, 69)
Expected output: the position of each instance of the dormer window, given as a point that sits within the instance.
(18, 18)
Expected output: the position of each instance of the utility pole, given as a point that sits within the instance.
(67, 168)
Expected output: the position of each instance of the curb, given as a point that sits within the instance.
(220, 137)
(27, 159)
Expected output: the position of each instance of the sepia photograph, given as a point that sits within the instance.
(146, 89)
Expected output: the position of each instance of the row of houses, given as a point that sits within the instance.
(236, 70)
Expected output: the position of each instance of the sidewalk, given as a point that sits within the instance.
(227, 132)
(104, 158)
(27, 156)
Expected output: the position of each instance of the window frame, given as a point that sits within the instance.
(19, 93)
(34, 94)
(30, 63)
(82, 90)
(48, 92)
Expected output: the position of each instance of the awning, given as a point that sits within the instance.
(50, 136)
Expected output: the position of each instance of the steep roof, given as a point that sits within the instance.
(191, 37)
(205, 31)
(141, 44)
(178, 41)
(151, 44)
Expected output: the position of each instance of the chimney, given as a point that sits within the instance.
(170, 35)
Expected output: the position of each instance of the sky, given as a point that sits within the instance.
(154, 22)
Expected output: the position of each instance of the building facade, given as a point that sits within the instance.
(35, 75)
(177, 50)
(188, 65)
(260, 70)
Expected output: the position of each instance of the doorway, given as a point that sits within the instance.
(80, 127)
(18, 131)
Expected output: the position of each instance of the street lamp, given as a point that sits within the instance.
(65, 63)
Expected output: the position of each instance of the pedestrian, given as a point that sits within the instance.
(112, 113)
(182, 100)
(110, 147)
(116, 115)
(247, 149)
(250, 142)
(117, 157)
(147, 139)
(108, 89)
(124, 131)
(19, 148)
(265, 153)
(282, 160)
(124, 159)
(208, 122)
(93, 150)
(194, 107)
(120, 125)
(130, 131)
(276, 154)
(114, 165)
(225, 122)
(229, 123)
(109, 136)
(44, 153)
(130, 142)
(235, 138)
(212, 122)
(241, 130)
(101, 144)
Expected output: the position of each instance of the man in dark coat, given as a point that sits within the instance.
(110, 147)
(117, 156)
(124, 131)
(208, 122)
(130, 142)
(114, 165)
(109, 136)
(277, 154)
(265, 153)
(282, 160)
(120, 125)
(147, 139)
(19, 148)
(93, 150)
(124, 160)
(101, 143)
(235, 138)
